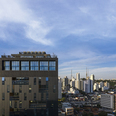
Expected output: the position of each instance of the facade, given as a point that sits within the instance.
(77, 82)
(88, 86)
(69, 111)
(29, 84)
(59, 88)
(108, 101)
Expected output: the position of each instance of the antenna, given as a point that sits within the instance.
(71, 73)
(86, 72)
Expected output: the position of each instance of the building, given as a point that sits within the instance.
(29, 84)
(108, 101)
(88, 86)
(77, 82)
(69, 111)
(96, 87)
(65, 83)
(59, 88)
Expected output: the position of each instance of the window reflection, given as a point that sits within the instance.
(7, 65)
(34, 65)
(43, 65)
(15, 65)
(52, 65)
(24, 65)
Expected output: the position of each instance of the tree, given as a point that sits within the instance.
(63, 99)
(102, 113)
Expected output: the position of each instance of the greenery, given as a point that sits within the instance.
(102, 113)
(89, 114)
(63, 99)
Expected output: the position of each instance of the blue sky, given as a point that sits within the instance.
(82, 33)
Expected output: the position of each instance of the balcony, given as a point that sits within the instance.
(20, 82)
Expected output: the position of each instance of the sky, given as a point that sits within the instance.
(82, 33)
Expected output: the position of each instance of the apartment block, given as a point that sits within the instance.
(29, 84)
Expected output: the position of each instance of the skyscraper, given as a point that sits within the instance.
(29, 84)
(77, 82)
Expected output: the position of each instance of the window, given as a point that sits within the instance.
(54, 89)
(46, 78)
(15, 65)
(24, 65)
(34, 80)
(3, 96)
(34, 96)
(39, 80)
(42, 96)
(39, 56)
(43, 65)
(20, 104)
(15, 104)
(3, 112)
(3, 80)
(26, 56)
(34, 65)
(52, 65)
(47, 82)
(47, 96)
(8, 88)
(25, 96)
(7, 65)
(30, 88)
(20, 88)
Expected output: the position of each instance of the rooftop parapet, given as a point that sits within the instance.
(29, 54)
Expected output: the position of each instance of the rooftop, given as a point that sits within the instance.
(29, 54)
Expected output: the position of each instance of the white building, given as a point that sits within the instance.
(107, 101)
(69, 111)
(77, 82)
(59, 88)
(95, 87)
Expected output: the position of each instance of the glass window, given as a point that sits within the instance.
(47, 95)
(15, 65)
(52, 65)
(24, 65)
(26, 56)
(25, 96)
(3, 80)
(8, 88)
(3, 96)
(20, 88)
(54, 89)
(43, 65)
(30, 88)
(20, 104)
(34, 96)
(3, 112)
(34, 80)
(39, 56)
(46, 78)
(7, 65)
(15, 104)
(34, 65)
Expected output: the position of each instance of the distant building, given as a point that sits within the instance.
(65, 83)
(88, 86)
(108, 101)
(69, 110)
(95, 87)
(77, 81)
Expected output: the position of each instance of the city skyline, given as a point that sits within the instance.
(81, 33)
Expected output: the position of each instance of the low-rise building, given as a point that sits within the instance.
(69, 111)
(108, 101)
